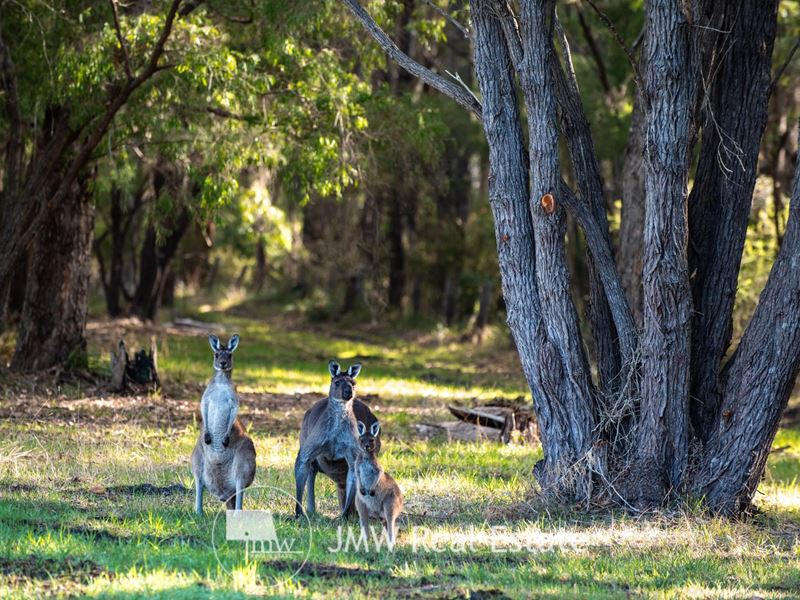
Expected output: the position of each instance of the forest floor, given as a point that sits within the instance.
(96, 493)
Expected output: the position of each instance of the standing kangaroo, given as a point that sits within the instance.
(379, 496)
(224, 458)
(328, 440)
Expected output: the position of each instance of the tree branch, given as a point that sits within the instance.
(637, 76)
(504, 11)
(602, 73)
(24, 237)
(451, 19)
(449, 89)
(784, 66)
(615, 350)
(604, 262)
(121, 40)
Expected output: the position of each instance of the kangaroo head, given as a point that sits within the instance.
(223, 355)
(366, 437)
(343, 383)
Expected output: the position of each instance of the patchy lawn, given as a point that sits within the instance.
(96, 493)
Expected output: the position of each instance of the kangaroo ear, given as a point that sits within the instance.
(354, 370)
(362, 429)
(233, 343)
(214, 341)
(375, 429)
(334, 368)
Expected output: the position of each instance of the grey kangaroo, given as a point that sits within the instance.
(224, 458)
(379, 496)
(328, 440)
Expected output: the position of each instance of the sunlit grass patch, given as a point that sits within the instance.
(98, 502)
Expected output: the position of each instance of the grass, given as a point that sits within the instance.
(96, 498)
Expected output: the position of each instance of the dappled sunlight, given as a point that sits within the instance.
(107, 477)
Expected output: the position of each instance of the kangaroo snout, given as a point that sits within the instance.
(346, 392)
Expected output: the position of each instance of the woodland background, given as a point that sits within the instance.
(262, 167)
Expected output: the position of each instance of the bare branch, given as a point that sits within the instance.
(121, 39)
(602, 73)
(451, 19)
(779, 73)
(637, 76)
(449, 89)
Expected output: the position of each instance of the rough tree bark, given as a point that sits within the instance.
(734, 117)
(563, 359)
(631, 230)
(52, 323)
(756, 383)
(577, 134)
(662, 450)
(55, 158)
(527, 199)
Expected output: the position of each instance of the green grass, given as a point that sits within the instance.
(76, 519)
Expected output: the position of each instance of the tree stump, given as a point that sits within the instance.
(137, 374)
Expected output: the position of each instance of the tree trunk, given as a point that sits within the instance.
(153, 262)
(527, 199)
(565, 415)
(578, 137)
(144, 297)
(397, 256)
(662, 452)
(631, 231)
(260, 275)
(53, 320)
(11, 306)
(719, 207)
(115, 282)
(756, 383)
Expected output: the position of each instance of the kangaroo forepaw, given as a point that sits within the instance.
(207, 438)
(226, 440)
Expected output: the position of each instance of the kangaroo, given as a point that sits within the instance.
(328, 440)
(378, 495)
(224, 458)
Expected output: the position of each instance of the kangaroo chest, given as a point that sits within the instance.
(341, 439)
(367, 475)
(221, 407)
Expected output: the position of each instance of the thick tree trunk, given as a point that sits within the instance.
(734, 118)
(756, 383)
(578, 137)
(563, 360)
(53, 320)
(662, 451)
(565, 413)
(527, 200)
